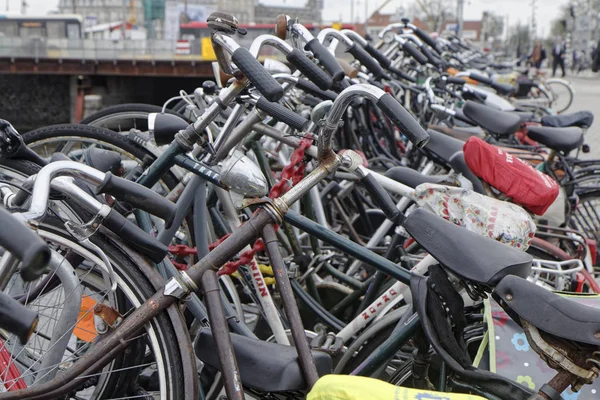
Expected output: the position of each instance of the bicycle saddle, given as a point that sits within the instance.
(264, 366)
(473, 257)
(460, 115)
(561, 139)
(442, 146)
(548, 311)
(413, 178)
(581, 119)
(497, 122)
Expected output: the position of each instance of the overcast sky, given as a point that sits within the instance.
(516, 10)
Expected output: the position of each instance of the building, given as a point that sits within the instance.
(104, 11)
(310, 13)
(472, 30)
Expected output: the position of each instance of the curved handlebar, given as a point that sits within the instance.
(393, 110)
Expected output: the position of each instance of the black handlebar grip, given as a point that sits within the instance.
(282, 114)
(480, 78)
(257, 74)
(326, 59)
(16, 318)
(366, 60)
(311, 88)
(401, 74)
(142, 241)
(379, 56)
(138, 196)
(503, 88)
(408, 126)
(453, 80)
(430, 56)
(414, 52)
(424, 36)
(382, 198)
(25, 245)
(310, 69)
(454, 48)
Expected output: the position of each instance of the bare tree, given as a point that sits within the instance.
(434, 12)
(493, 25)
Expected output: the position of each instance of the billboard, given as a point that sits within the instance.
(177, 13)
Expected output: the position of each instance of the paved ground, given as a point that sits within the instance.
(587, 97)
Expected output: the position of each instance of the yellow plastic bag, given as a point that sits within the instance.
(344, 387)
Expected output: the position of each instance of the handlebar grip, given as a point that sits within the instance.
(430, 56)
(257, 74)
(453, 48)
(135, 236)
(16, 318)
(414, 52)
(282, 114)
(401, 74)
(379, 56)
(480, 78)
(326, 59)
(408, 126)
(365, 59)
(424, 36)
(310, 69)
(138, 196)
(25, 245)
(452, 80)
(382, 198)
(311, 88)
(503, 88)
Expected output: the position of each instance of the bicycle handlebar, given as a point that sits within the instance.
(25, 245)
(16, 318)
(282, 114)
(407, 125)
(138, 196)
(295, 57)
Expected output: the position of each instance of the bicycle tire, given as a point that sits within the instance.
(585, 217)
(95, 133)
(124, 117)
(136, 286)
(558, 82)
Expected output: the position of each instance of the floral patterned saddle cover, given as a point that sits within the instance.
(506, 222)
(511, 356)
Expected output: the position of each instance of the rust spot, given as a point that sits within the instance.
(107, 314)
(153, 304)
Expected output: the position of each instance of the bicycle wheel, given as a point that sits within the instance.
(586, 216)
(150, 367)
(123, 117)
(73, 140)
(562, 94)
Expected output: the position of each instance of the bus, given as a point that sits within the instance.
(54, 26)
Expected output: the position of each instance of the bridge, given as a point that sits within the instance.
(90, 57)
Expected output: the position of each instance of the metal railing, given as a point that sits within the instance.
(94, 49)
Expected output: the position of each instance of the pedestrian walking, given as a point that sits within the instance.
(559, 51)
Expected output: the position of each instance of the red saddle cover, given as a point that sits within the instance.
(524, 184)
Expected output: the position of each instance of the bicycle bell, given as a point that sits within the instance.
(223, 22)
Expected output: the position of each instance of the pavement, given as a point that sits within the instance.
(587, 97)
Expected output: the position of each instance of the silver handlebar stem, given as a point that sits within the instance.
(331, 122)
(330, 32)
(269, 40)
(41, 187)
(355, 36)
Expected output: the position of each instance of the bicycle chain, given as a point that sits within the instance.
(290, 175)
